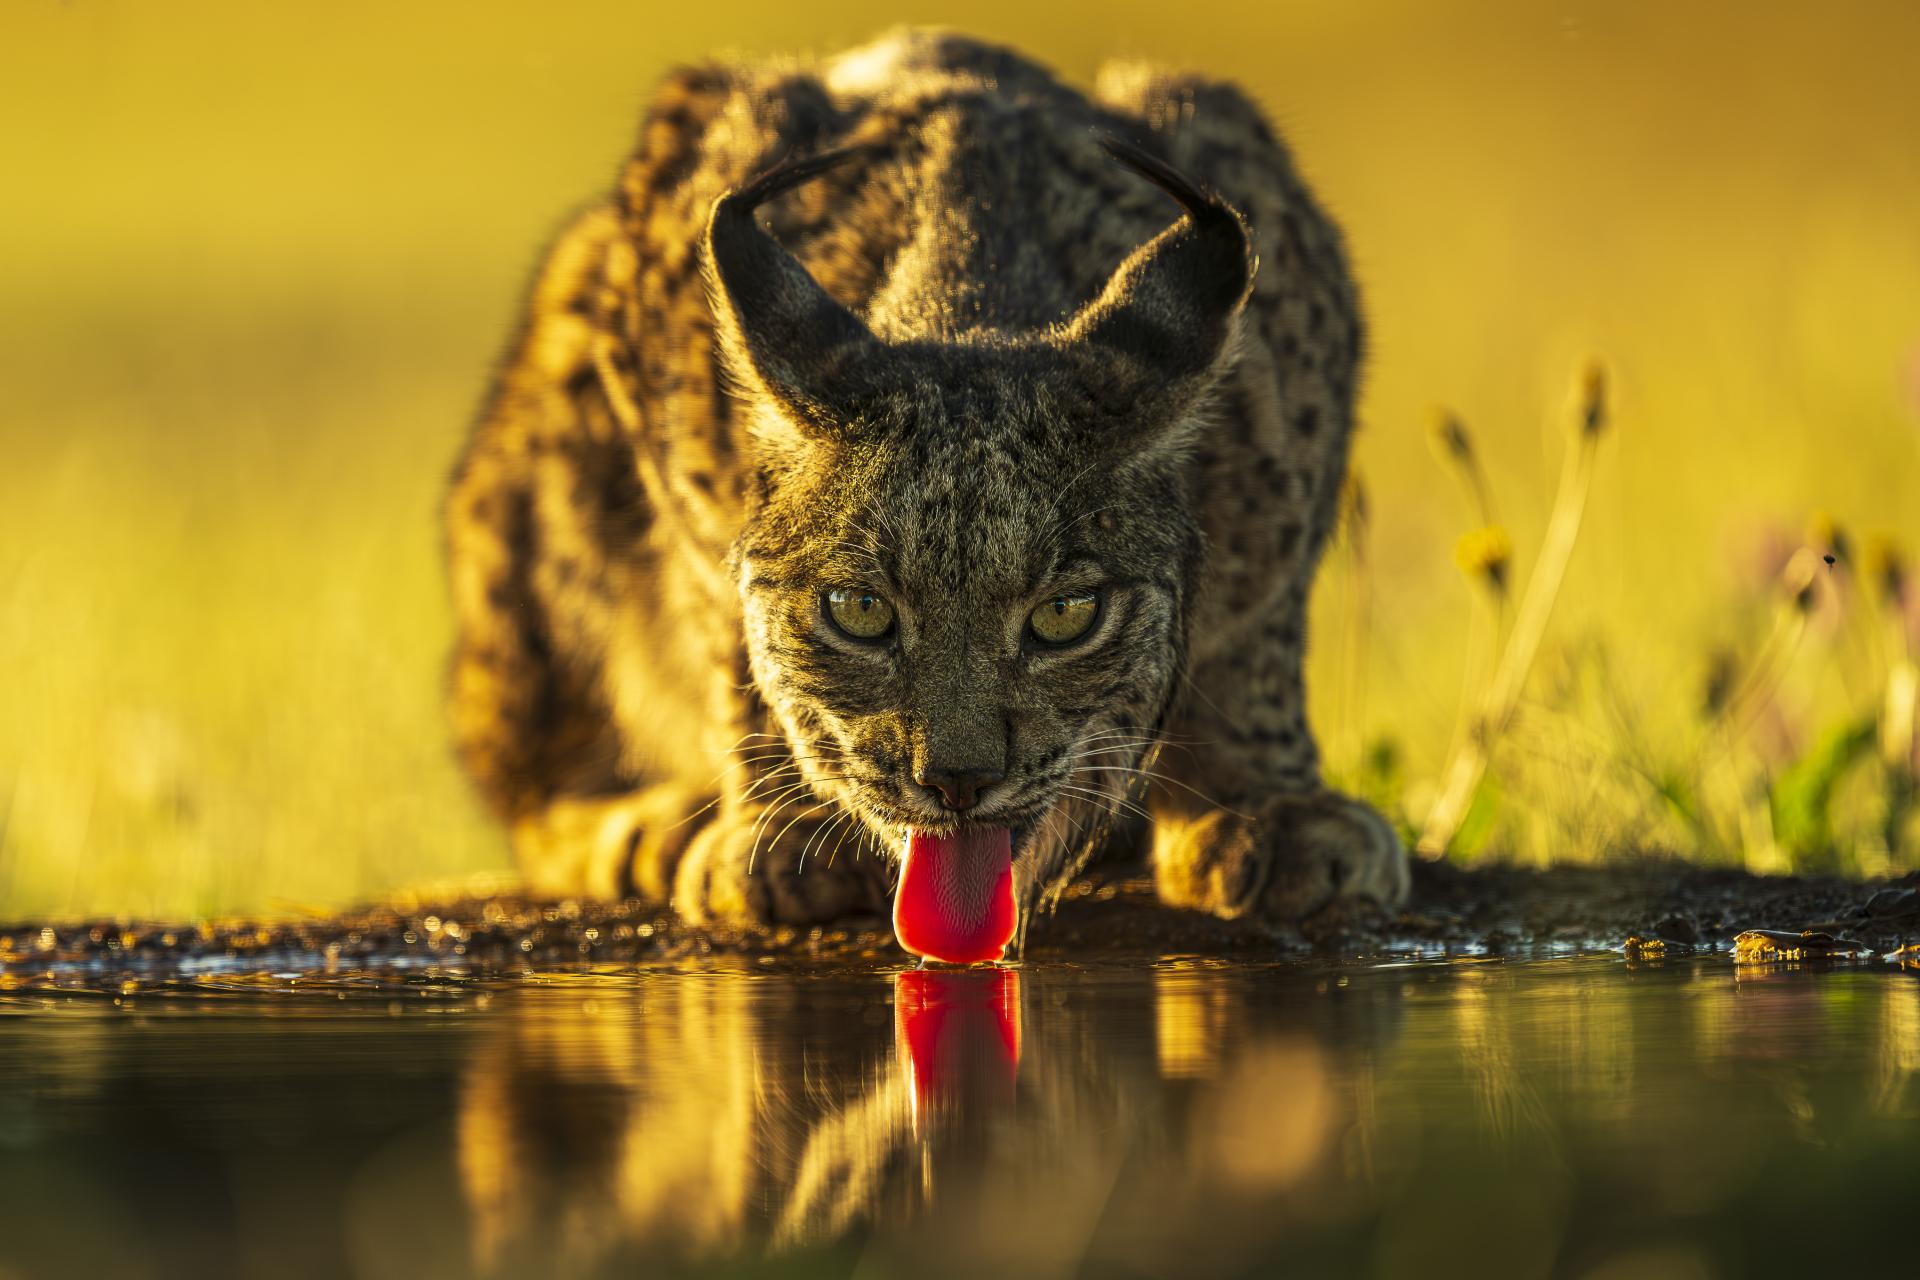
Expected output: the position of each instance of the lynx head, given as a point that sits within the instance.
(966, 580)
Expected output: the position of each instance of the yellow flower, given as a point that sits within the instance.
(1485, 554)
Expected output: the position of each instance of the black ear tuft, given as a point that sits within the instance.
(1170, 309)
(1226, 264)
(783, 177)
(779, 327)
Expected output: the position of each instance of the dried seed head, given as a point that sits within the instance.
(1450, 438)
(1799, 578)
(1354, 511)
(1721, 670)
(1826, 536)
(1593, 398)
(1885, 568)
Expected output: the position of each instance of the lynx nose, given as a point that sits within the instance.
(958, 788)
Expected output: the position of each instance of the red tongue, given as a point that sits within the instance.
(955, 901)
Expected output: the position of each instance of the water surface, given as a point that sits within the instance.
(1578, 1117)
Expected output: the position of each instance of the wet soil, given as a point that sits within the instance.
(1642, 907)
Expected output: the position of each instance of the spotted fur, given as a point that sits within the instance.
(918, 321)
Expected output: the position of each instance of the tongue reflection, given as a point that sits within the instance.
(955, 901)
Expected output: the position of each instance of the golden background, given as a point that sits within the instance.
(255, 260)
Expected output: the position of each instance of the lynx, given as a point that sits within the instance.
(906, 484)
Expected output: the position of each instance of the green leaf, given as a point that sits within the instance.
(1802, 795)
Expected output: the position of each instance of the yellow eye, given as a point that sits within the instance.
(861, 615)
(1064, 618)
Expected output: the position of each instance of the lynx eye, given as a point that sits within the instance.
(1064, 618)
(858, 615)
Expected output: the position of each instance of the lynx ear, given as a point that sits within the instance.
(781, 330)
(1170, 311)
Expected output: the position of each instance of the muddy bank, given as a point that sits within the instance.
(1515, 912)
(1501, 912)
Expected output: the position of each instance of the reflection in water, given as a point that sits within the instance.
(720, 1115)
(671, 1121)
(1564, 1118)
(957, 1035)
(1899, 1056)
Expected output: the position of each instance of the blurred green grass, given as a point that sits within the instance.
(256, 261)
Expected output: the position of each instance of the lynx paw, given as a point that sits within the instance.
(741, 870)
(608, 846)
(1293, 858)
